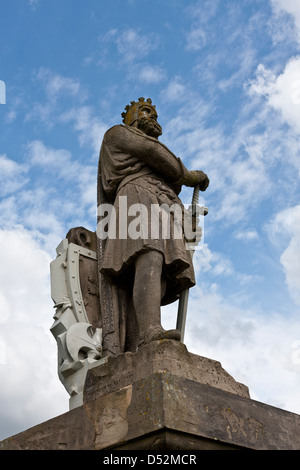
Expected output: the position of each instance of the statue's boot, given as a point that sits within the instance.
(156, 333)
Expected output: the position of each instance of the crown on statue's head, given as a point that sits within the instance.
(131, 110)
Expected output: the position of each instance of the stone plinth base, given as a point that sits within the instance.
(164, 398)
(166, 355)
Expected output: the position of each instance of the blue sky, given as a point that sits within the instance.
(225, 78)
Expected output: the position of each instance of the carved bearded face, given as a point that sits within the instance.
(147, 121)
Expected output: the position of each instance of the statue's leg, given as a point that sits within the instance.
(132, 330)
(147, 298)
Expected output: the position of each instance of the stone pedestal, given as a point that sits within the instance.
(164, 398)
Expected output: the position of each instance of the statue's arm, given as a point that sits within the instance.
(155, 155)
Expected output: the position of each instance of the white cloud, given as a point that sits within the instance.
(257, 351)
(30, 389)
(284, 231)
(23, 263)
(282, 92)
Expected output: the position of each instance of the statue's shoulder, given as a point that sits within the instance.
(123, 129)
(121, 132)
(117, 130)
(113, 135)
(114, 129)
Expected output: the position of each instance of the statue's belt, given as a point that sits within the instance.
(132, 177)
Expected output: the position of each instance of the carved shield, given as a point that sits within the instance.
(77, 320)
(84, 274)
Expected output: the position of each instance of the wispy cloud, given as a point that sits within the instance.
(55, 85)
(246, 60)
(131, 44)
(150, 73)
(200, 13)
(89, 127)
(56, 161)
(292, 8)
(69, 176)
(196, 39)
(235, 164)
(63, 103)
(34, 3)
(57, 90)
(12, 176)
(175, 91)
(247, 235)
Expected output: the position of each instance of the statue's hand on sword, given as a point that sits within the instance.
(196, 178)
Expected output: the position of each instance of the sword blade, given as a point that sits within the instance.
(184, 296)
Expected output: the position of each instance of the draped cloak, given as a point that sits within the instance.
(142, 169)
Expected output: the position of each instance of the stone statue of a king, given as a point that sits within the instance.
(137, 274)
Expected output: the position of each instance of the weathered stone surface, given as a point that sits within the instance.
(163, 408)
(69, 431)
(164, 355)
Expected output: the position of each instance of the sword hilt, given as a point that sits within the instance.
(195, 200)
